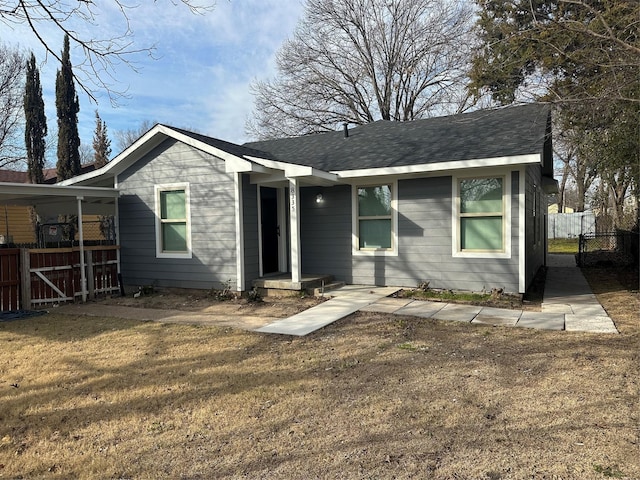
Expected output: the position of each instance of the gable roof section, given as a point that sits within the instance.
(229, 152)
(484, 134)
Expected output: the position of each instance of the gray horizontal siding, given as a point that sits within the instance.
(325, 231)
(212, 219)
(424, 241)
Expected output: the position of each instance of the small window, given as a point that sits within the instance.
(173, 225)
(374, 218)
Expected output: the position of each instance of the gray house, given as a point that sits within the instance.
(458, 201)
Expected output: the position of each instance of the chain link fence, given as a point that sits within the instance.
(619, 248)
(66, 234)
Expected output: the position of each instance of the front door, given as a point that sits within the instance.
(270, 229)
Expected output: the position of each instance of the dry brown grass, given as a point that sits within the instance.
(372, 396)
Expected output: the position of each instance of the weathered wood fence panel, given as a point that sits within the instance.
(54, 275)
(35, 277)
(9, 279)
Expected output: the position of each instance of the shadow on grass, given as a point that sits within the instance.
(189, 401)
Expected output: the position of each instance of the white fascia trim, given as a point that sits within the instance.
(27, 189)
(234, 164)
(294, 171)
(163, 132)
(120, 158)
(442, 166)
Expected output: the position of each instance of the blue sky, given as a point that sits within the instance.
(202, 69)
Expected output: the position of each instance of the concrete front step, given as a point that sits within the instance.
(327, 287)
(281, 285)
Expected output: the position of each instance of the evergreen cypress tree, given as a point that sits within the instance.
(67, 107)
(35, 122)
(101, 143)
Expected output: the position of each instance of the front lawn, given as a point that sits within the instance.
(371, 396)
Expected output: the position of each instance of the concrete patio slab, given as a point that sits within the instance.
(593, 310)
(457, 313)
(387, 305)
(497, 316)
(419, 308)
(556, 308)
(363, 290)
(541, 320)
(597, 324)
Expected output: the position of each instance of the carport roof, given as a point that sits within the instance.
(61, 198)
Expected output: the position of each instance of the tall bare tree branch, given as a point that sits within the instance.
(356, 61)
(96, 71)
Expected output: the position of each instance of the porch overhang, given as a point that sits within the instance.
(58, 199)
(278, 172)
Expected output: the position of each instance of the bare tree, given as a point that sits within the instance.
(12, 68)
(356, 61)
(125, 138)
(96, 69)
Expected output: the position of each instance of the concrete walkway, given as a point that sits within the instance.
(344, 301)
(568, 304)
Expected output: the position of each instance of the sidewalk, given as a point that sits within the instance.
(568, 304)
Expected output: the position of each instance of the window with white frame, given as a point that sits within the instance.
(173, 229)
(375, 218)
(481, 215)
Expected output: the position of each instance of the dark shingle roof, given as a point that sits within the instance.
(232, 148)
(516, 130)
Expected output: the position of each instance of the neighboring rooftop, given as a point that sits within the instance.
(509, 131)
(50, 174)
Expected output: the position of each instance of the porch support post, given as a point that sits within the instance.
(294, 212)
(83, 275)
(237, 180)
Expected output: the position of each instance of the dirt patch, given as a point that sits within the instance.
(209, 302)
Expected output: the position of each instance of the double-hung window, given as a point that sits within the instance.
(173, 226)
(482, 227)
(375, 218)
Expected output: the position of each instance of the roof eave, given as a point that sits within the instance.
(514, 160)
(303, 173)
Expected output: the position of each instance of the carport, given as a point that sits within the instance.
(64, 200)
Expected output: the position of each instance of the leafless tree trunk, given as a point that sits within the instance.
(356, 61)
(12, 68)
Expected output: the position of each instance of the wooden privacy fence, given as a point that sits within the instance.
(9, 279)
(53, 275)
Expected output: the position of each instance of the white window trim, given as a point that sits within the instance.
(506, 218)
(355, 235)
(163, 188)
